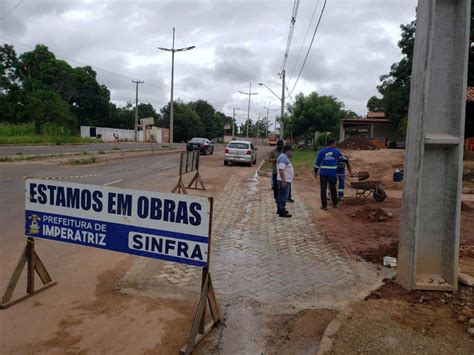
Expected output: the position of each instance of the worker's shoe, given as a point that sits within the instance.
(324, 208)
(335, 206)
(290, 200)
(285, 215)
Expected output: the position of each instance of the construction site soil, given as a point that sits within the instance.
(391, 319)
(366, 228)
(357, 143)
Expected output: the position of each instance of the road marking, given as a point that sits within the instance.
(113, 182)
(107, 173)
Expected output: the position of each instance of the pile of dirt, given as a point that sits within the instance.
(466, 207)
(358, 143)
(372, 213)
(376, 255)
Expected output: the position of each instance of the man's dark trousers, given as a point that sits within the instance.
(283, 197)
(325, 181)
(275, 186)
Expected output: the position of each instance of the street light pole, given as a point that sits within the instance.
(282, 125)
(173, 50)
(258, 124)
(233, 122)
(250, 93)
(282, 100)
(137, 82)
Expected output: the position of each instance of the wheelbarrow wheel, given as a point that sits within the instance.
(379, 195)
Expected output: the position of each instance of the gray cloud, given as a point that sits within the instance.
(237, 41)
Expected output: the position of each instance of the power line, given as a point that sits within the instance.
(310, 45)
(304, 40)
(11, 10)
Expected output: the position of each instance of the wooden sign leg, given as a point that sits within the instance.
(29, 256)
(196, 180)
(198, 330)
(180, 187)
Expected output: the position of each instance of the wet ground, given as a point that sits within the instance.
(268, 272)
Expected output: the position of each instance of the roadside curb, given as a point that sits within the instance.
(37, 157)
(263, 173)
(327, 341)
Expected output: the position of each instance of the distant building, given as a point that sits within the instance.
(469, 128)
(469, 132)
(374, 126)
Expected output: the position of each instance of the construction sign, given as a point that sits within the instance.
(151, 224)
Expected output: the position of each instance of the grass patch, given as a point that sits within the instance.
(303, 160)
(84, 161)
(267, 166)
(24, 134)
(5, 159)
(115, 148)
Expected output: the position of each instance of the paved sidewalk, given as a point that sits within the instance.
(263, 264)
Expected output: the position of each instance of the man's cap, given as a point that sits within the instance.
(287, 148)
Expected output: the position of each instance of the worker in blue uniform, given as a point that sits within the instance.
(341, 174)
(326, 165)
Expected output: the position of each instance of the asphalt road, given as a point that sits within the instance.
(11, 150)
(124, 172)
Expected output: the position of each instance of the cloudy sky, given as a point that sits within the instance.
(237, 41)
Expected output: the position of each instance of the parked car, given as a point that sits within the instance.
(204, 145)
(240, 152)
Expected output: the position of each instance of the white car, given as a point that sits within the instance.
(240, 152)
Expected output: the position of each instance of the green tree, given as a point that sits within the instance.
(395, 86)
(9, 83)
(470, 78)
(312, 113)
(207, 115)
(376, 104)
(187, 123)
(46, 106)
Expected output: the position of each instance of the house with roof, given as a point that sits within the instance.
(376, 126)
(373, 126)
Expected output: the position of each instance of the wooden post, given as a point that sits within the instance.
(199, 328)
(30, 249)
(34, 264)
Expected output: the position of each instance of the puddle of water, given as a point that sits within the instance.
(243, 332)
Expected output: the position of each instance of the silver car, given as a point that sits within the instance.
(240, 152)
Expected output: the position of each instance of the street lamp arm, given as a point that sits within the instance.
(165, 49)
(278, 97)
(184, 49)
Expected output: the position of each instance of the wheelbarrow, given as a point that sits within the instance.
(364, 188)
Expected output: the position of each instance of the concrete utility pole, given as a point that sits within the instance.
(137, 82)
(173, 50)
(282, 125)
(282, 101)
(258, 124)
(250, 93)
(267, 121)
(233, 121)
(428, 253)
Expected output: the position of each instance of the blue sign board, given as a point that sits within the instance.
(163, 226)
